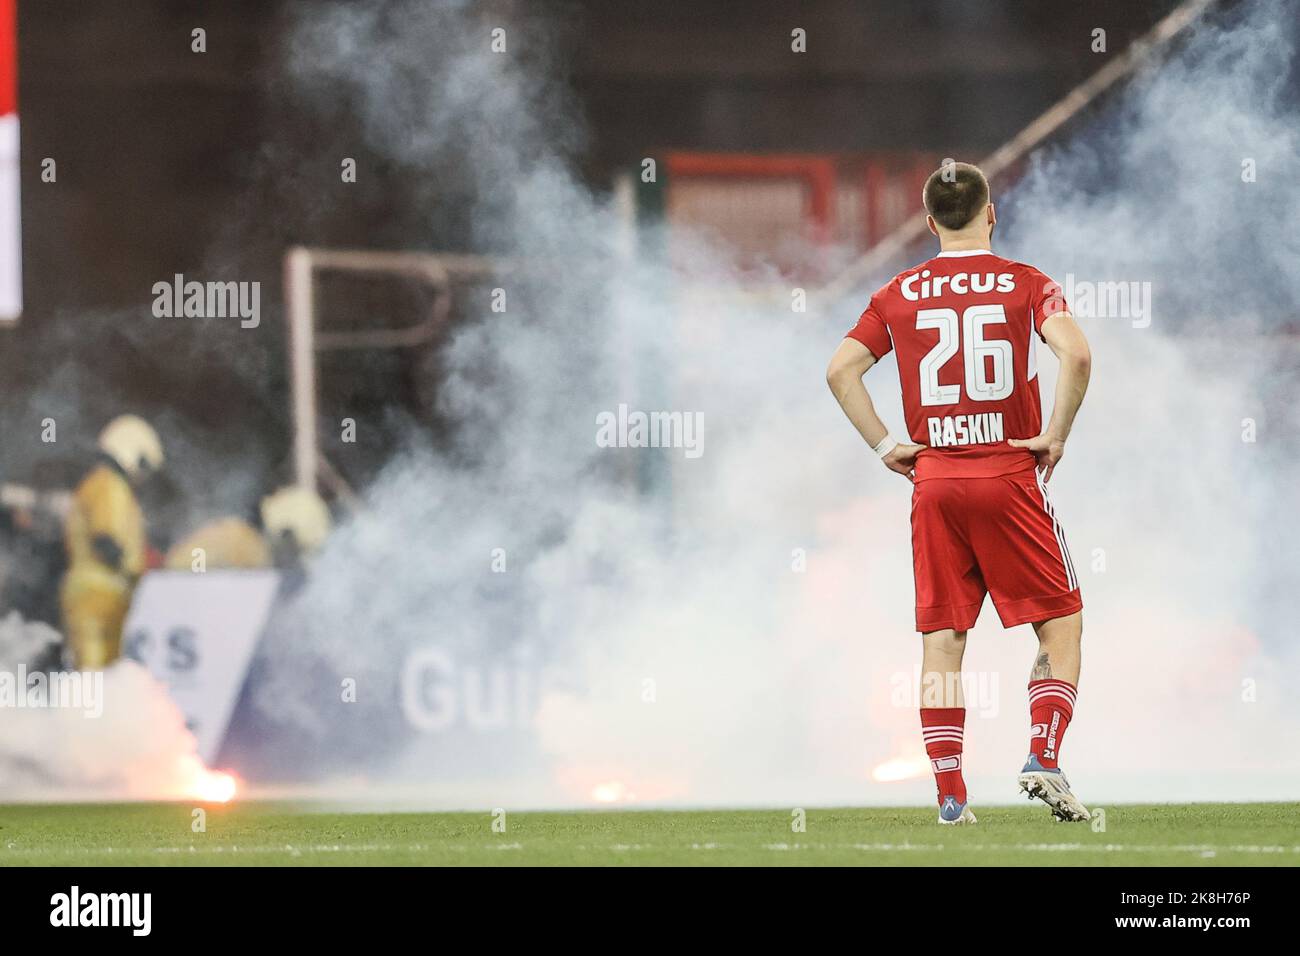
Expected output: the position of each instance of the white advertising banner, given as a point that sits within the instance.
(197, 634)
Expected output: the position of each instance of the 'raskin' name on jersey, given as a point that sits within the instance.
(980, 429)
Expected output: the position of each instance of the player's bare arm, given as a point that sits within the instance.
(1068, 344)
(849, 364)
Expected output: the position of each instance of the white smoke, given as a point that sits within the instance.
(735, 632)
(111, 735)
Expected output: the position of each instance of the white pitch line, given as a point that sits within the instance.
(1037, 847)
(625, 847)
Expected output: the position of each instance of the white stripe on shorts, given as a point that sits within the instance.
(1070, 577)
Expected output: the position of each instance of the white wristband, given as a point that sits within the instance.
(887, 444)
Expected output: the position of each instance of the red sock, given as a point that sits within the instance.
(943, 729)
(1051, 705)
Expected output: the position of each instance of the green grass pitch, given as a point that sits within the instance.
(274, 834)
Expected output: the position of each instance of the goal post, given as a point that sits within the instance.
(302, 265)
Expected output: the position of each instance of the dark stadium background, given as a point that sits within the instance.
(175, 162)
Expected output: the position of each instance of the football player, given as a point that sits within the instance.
(962, 327)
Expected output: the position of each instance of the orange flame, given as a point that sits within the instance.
(900, 768)
(612, 791)
(207, 786)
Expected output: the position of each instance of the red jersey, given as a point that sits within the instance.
(962, 325)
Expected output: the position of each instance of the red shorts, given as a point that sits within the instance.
(972, 536)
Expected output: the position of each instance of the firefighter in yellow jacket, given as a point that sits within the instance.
(291, 525)
(105, 538)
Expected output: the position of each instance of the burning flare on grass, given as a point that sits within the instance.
(611, 791)
(900, 768)
(131, 745)
(209, 786)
